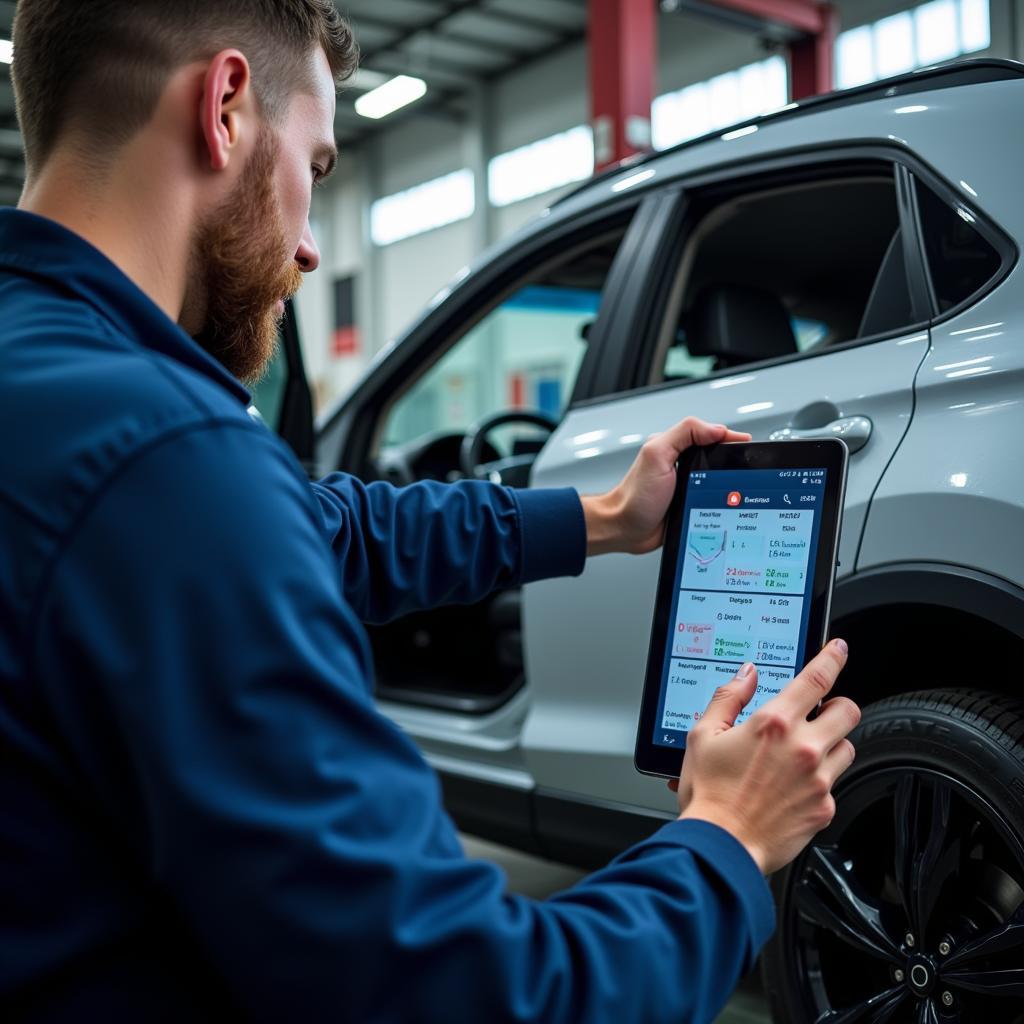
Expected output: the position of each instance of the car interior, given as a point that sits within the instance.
(470, 658)
(755, 268)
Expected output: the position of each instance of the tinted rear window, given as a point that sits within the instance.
(961, 261)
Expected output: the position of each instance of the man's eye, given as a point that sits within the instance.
(318, 175)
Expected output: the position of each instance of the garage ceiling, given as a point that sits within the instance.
(454, 45)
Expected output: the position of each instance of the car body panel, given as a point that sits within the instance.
(594, 661)
(954, 494)
(943, 129)
(978, 154)
(931, 486)
(490, 742)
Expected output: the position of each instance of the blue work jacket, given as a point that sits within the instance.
(202, 813)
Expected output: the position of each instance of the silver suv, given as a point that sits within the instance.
(847, 266)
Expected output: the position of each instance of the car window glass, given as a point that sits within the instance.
(961, 261)
(778, 272)
(524, 354)
(679, 363)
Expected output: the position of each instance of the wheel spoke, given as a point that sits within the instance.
(940, 854)
(1009, 935)
(830, 898)
(926, 1013)
(1009, 982)
(905, 830)
(927, 849)
(876, 1010)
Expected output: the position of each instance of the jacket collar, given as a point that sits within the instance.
(37, 247)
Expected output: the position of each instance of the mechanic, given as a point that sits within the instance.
(202, 814)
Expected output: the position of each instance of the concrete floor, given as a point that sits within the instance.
(538, 878)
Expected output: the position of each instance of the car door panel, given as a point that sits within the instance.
(480, 743)
(586, 676)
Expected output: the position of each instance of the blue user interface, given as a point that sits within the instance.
(744, 580)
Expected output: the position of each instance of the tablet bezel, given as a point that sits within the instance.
(828, 453)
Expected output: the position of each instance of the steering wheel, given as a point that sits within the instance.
(513, 470)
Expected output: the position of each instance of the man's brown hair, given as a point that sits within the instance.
(98, 67)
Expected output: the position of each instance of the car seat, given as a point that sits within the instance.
(739, 324)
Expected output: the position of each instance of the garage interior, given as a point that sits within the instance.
(503, 127)
(468, 119)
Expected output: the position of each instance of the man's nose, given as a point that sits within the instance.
(307, 255)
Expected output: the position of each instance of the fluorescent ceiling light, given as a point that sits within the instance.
(6, 51)
(390, 96)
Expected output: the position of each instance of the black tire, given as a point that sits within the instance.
(928, 836)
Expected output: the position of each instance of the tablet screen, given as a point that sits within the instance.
(744, 580)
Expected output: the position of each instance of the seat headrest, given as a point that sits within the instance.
(739, 324)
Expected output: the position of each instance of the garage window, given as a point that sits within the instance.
(773, 273)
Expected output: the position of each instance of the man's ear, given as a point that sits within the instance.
(227, 99)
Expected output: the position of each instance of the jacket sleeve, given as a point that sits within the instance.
(206, 677)
(404, 549)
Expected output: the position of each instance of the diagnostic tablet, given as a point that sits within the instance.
(747, 572)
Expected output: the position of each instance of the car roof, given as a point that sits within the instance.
(979, 156)
(954, 74)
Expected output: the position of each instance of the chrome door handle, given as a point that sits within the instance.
(854, 430)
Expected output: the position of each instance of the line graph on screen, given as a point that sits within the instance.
(707, 545)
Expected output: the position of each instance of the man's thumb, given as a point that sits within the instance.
(728, 701)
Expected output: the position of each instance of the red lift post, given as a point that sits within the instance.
(623, 56)
(814, 26)
(622, 44)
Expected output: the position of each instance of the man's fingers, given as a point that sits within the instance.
(838, 760)
(729, 700)
(693, 431)
(814, 682)
(838, 718)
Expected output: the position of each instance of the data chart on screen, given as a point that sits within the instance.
(747, 563)
(748, 549)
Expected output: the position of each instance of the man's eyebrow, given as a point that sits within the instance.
(328, 152)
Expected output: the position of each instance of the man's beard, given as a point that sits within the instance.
(241, 268)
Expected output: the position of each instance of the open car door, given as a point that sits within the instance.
(283, 398)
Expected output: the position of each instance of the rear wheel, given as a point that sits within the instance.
(909, 908)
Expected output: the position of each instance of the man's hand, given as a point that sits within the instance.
(769, 780)
(631, 516)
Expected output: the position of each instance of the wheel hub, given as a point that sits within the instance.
(921, 975)
(928, 914)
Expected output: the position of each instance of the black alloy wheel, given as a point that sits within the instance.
(909, 908)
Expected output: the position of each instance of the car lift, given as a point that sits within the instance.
(622, 51)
